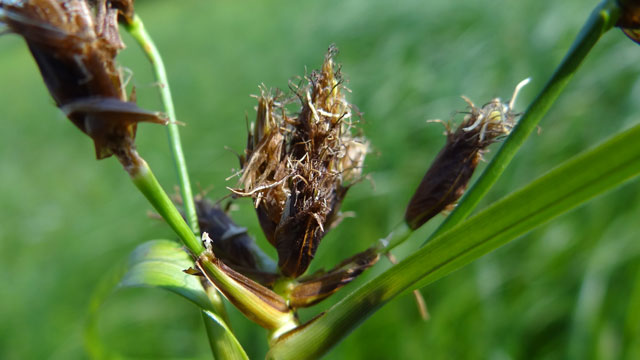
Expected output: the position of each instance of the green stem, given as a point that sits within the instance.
(146, 182)
(216, 301)
(603, 17)
(137, 30)
(223, 344)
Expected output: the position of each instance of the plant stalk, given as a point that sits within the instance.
(137, 30)
(223, 344)
(147, 183)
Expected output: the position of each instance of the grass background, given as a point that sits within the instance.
(570, 289)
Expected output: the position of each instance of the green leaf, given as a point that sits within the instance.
(223, 346)
(632, 322)
(160, 263)
(569, 185)
(606, 258)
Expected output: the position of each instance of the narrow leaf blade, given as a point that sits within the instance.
(160, 263)
(222, 345)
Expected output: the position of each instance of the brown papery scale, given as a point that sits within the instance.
(316, 287)
(449, 174)
(299, 167)
(75, 43)
(233, 244)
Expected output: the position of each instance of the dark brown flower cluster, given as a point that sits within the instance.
(74, 43)
(449, 174)
(298, 167)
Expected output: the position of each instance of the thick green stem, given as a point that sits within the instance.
(258, 303)
(146, 182)
(216, 301)
(601, 19)
(137, 30)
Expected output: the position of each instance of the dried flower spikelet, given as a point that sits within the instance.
(74, 45)
(299, 167)
(449, 174)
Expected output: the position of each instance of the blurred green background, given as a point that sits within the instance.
(570, 289)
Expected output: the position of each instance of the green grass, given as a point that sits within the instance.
(568, 291)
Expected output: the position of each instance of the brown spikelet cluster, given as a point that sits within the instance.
(449, 174)
(74, 43)
(298, 167)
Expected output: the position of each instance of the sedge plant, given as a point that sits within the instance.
(304, 152)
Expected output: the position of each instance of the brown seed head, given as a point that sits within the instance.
(299, 167)
(74, 45)
(449, 174)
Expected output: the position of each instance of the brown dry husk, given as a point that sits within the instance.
(75, 43)
(449, 174)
